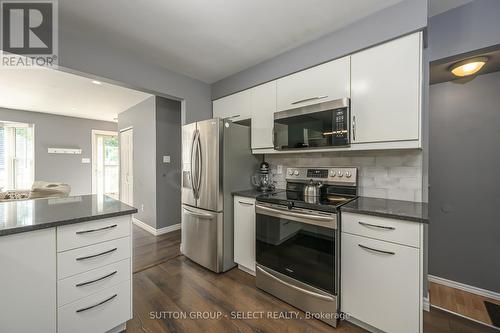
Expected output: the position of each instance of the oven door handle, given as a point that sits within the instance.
(294, 214)
(302, 290)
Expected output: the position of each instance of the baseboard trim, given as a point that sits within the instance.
(155, 232)
(246, 270)
(462, 286)
(462, 316)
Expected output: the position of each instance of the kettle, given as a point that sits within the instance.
(312, 191)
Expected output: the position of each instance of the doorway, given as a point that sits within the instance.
(105, 163)
(127, 168)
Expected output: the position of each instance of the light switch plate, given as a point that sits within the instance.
(166, 159)
(85, 160)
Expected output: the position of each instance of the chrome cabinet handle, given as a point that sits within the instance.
(200, 215)
(376, 226)
(323, 297)
(353, 128)
(96, 255)
(81, 284)
(96, 230)
(96, 305)
(245, 203)
(375, 250)
(309, 99)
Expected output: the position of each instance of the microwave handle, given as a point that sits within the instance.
(353, 128)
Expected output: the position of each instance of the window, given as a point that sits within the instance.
(16, 156)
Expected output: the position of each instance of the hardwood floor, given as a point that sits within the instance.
(150, 250)
(461, 302)
(167, 284)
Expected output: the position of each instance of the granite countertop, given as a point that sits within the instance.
(253, 193)
(27, 215)
(402, 210)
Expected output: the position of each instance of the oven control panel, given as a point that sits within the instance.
(335, 175)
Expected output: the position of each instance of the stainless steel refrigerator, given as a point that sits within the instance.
(216, 160)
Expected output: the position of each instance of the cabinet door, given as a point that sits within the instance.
(263, 106)
(244, 232)
(385, 90)
(236, 106)
(380, 289)
(28, 282)
(318, 84)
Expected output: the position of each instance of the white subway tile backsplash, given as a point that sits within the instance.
(393, 174)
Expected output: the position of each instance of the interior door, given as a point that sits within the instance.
(188, 154)
(200, 237)
(127, 167)
(208, 179)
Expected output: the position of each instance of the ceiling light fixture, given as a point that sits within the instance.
(96, 82)
(468, 67)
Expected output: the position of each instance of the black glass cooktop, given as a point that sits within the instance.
(328, 201)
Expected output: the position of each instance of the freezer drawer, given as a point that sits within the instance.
(202, 238)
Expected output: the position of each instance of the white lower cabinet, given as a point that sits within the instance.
(244, 232)
(381, 282)
(28, 282)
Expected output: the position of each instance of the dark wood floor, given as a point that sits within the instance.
(150, 250)
(178, 285)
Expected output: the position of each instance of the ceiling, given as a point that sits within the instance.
(56, 92)
(437, 7)
(440, 70)
(210, 40)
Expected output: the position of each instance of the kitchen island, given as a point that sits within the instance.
(65, 265)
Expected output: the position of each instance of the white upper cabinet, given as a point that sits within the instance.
(385, 91)
(322, 83)
(236, 106)
(263, 106)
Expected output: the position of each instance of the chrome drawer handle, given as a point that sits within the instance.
(95, 230)
(96, 255)
(81, 284)
(245, 203)
(95, 305)
(376, 226)
(309, 99)
(375, 250)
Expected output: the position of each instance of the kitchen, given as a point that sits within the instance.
(311, 188)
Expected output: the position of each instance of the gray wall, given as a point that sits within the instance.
(90, 51)
(390, 23)
(60, 131)
(142, 117)
(464, 194)
(168, 176)
(463, 29)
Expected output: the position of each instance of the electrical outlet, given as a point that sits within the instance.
(142, 207)
(279, 169)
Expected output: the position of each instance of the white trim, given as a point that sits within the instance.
(126, 129)
(427, 304)
(153, 231)
(471, 289)
(246, 270)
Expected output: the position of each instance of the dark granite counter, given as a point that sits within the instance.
(27, 215)
(397, 209)
(253, 193)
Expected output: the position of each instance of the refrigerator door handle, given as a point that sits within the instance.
(192, 176)
(199, 161)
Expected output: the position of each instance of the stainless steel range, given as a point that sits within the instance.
(297, 246)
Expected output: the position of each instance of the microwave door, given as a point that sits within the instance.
(189, 134)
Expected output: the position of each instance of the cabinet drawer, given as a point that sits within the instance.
(99, 312)
(391, 230)
(88, 283)
(381, 288)
(82, 234)
(90, 257)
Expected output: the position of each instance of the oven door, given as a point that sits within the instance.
(315, 126)
(299, 244)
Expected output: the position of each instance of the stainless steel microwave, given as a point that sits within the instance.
(321, 125)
